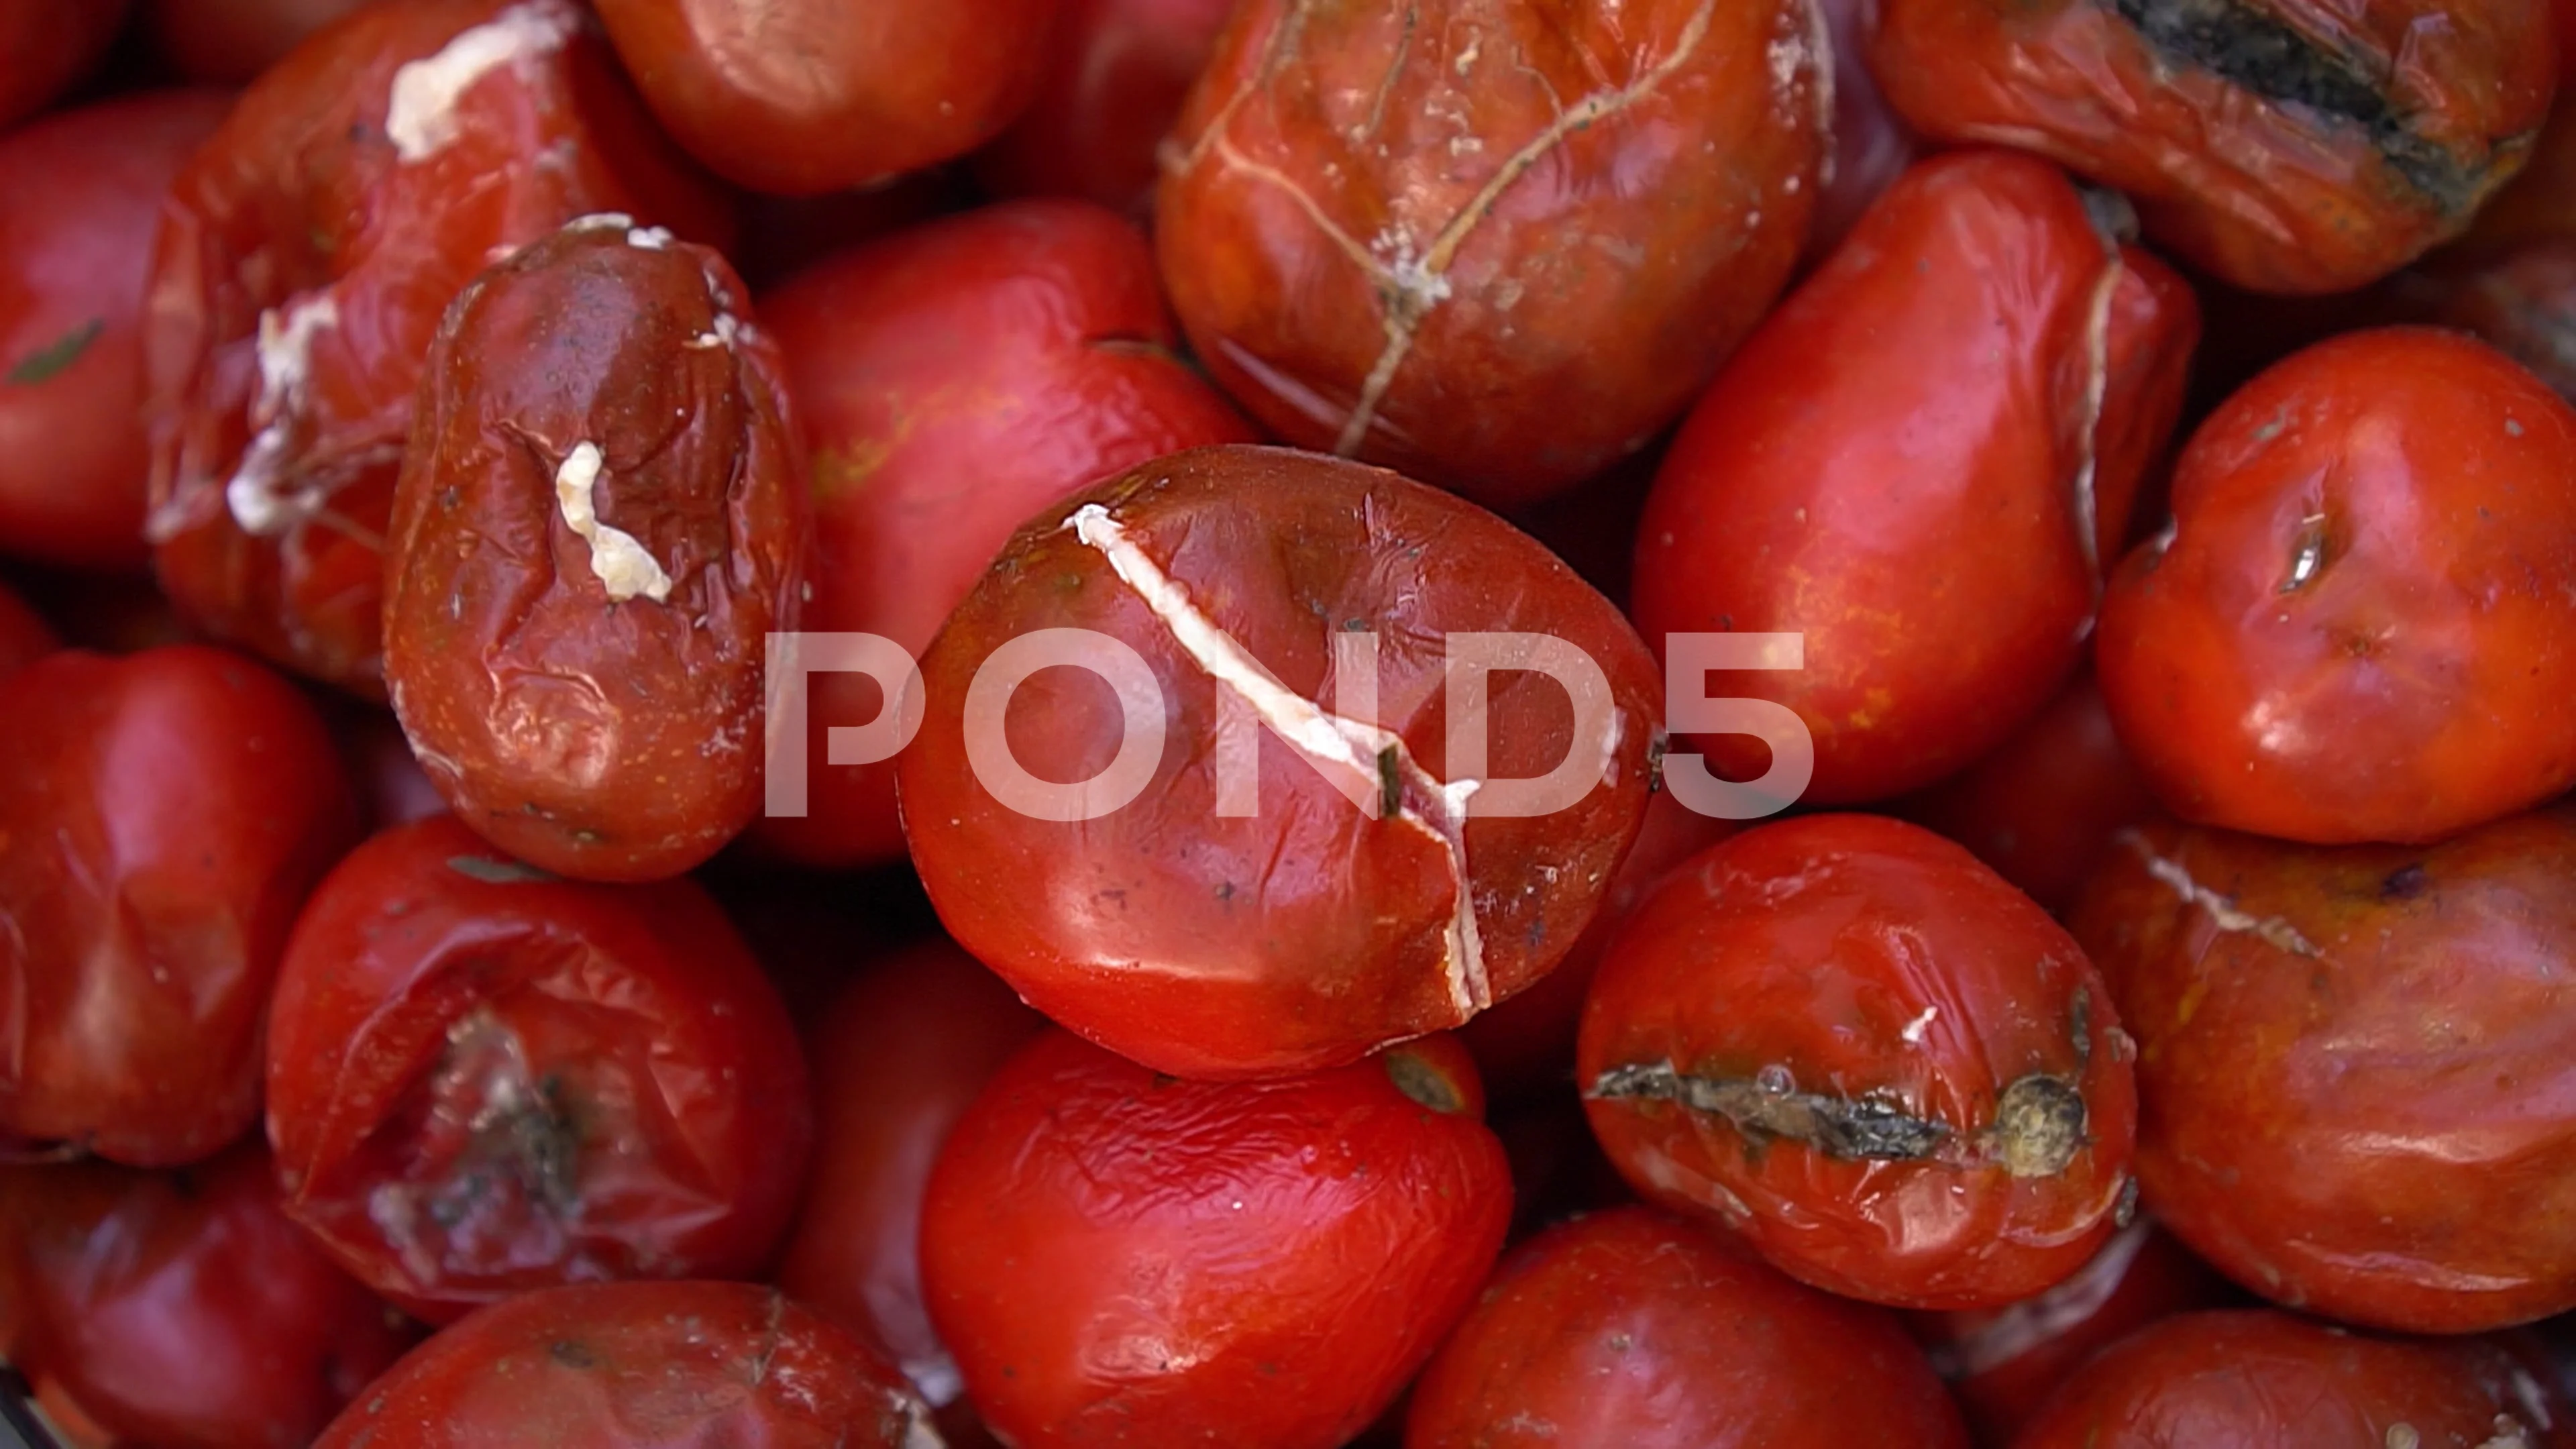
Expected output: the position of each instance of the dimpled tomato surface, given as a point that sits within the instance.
(1120, 1258)
(1496, 244)
(483, 1079)
(1297, 864)
(305, 258)
(1890, 1073)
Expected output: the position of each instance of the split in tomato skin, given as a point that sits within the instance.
(799, 97)
(74, 468)
(2357, 628)
(25, 637)
(617, 1365)
(953, 381)
(1890, 1073)
(1635, 1328)
(898, 1056)
(230, 42)
(1296, 880)
(1980, 374)
(2283, 145)
(483, 1079)
(182, 1307)
(2356, 1064)
(1119, 1257)
(162, 818)
(47, 45)
(1495, 244)
(2260, 1378)
(305, 257)
(1110, 89)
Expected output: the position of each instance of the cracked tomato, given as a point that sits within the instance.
(483, 1079)
(1497, 244)
(1369, 762)
(1887, 1071)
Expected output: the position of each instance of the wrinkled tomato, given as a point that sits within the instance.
(483, 1079)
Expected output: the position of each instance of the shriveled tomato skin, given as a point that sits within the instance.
(2356, 629)
(1122, 1258)
(484, 1080)
(691, 1365)
(2355, 1064)
(898, 1056)
(2257, 1378)
(2284, 145)
(25, 637)
(343, 224)
(1495, 244)
(1887, 1071)
(1635, 1328)
(230, 42)
(46, 45)
(809, 96)
(1111, 87)
(73, 465)
(601, 520)
(183, 1307)
(953, 380)
(162, 818)
(1976, 374)
(1309, 931)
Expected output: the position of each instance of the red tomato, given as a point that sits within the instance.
(2285, 145)
(806, 96)
(2002, 1363)
(1114, 76)
(1977, 375)
(45, 45)
(600, 522)
(1888, 1071)
(783, 235)
(954, 380)
(162, 817)
(1634, 1329)
(625, 1365)
(1497, 244)
(182, 1307)
(897, 1058)
(232, 41)
(1872, 145)
(73, 465)
(2522, 302)
(483, 1079)
(2260, 1379)
(305, 258)
(1293, 879)
(25, 637)
(2357, 629)
(1121, 1258)
(2358, 1065)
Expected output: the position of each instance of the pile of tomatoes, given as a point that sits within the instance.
(1463, 724)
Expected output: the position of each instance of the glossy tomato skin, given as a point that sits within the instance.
(954, 380)
(73, 465)
(230, 42)
(1313, 925)
(2284, 145)
(334, 214)
(2356, 630)
(2044, 806)
(690, 1365)
(1112, 84)
(1496, 244)
(809, 96)
(25, 637)
(484, 1080)
(1635, 1328)
(2355, 1064)
(1886, 1070)
(601, 520)
(46, 45)
(183, 1307)
(1122, 1258)
(2002, 1363)
(2256, 1378)
(1872, 144)
(898, 1056)
(1977, 374)
(161, 820)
